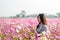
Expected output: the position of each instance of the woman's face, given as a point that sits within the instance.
(38, 18)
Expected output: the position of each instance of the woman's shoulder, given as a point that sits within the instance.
(46, 25)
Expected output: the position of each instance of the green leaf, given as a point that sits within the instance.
(29, 33)
(24, 38)
(15, 39)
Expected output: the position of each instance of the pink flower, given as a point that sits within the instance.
(58, 37)
(7, 38)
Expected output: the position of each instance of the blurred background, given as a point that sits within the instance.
(29, 8)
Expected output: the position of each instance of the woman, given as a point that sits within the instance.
(41, 27)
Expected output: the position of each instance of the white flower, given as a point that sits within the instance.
(17, 30)
(19, 27)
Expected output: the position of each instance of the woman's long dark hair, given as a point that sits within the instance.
(42, 18)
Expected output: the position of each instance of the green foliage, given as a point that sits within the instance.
(24, 38)
(29, 33)
(58, 14)
(51, 16)
(18, 15)
(15, 39)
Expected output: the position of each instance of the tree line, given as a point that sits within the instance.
(23, 15)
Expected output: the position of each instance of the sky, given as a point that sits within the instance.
(13, 7)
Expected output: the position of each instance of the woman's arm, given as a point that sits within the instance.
(47, 31)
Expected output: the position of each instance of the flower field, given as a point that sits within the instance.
(24, 28)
